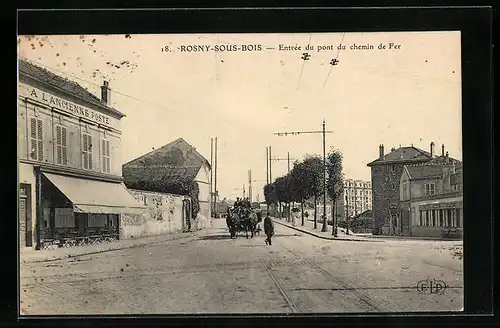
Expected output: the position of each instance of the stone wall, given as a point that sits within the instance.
(385, 190)
(164, 214)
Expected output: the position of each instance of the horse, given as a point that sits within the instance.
(239, 221)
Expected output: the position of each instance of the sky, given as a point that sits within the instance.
(401, 95)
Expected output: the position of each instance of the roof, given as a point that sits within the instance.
(63, 84)
(169, 166)
(425, 171)
(403, 154)
(442, 160)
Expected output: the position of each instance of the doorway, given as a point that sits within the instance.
(25, 213)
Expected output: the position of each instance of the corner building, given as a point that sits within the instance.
(69, 155)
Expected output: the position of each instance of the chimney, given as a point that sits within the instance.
(447, 159)
(432, 149)
(106, 93)
(381, 152)
(442, 150)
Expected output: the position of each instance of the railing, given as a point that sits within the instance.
(67, 242)
(452, 194)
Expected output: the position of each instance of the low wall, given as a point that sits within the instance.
(163, 215)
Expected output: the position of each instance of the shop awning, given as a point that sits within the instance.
(97, 197)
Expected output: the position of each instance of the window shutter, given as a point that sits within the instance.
(40, 137)
(85, 142)
(33, 128)
(64, 147)
(58, 145)
(107, 149)
(90, 151)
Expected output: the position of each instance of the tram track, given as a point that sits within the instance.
(367, 301)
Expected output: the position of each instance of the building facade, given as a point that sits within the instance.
(173, 168)
(355, 199)
(431, 200)
(386, 175)
(69, 153)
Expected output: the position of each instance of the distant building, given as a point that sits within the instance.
(431, 199)
(170, 169)
(359, 195)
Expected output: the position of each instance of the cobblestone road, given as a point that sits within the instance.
(215, 274)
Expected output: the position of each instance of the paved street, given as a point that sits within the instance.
(211, 273)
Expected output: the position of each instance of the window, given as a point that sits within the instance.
(433, 218)
(430, 189)
(393, 168)
(404, 191)
(421, 221)
(106, 156)
(36, 133)
(87, 152)
(61, 146)
(441, 218)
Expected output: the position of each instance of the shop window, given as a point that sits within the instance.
(36, 134)
(87, 151)
(64, 218)
(106, 156)
(61, 146)
(97, 220)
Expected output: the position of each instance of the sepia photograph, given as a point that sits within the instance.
(240, 173)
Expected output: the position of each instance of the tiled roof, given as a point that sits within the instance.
(404, 154)
(424, 171)
(175, 162)
(442, 160)
(55, 81)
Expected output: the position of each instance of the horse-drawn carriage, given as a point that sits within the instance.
(243, 219)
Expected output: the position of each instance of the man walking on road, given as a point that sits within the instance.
(268, 229)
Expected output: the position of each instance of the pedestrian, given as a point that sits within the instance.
(268, 229)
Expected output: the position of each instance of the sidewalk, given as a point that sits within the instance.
(29, 255)
(308, 228)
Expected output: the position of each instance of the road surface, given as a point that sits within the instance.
(211, 273)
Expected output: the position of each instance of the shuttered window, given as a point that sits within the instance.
(61, 145)
(36, 137)
(87, 151)
(105, 156)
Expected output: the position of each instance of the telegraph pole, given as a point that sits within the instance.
(250, 185)
(347, 211)
(212, 207)
(215, 182)
(267, 175)
(324, 229)
(324, 132)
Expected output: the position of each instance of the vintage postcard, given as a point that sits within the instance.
(240, 173)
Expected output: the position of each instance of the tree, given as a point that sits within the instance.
(299, 185)
(335, 181)
(313, 173)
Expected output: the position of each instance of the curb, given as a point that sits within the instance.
(328, 238)
(105, 250)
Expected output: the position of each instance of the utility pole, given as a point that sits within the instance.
(216, 192)
(347, 211)
(324, 132)
(250, 186)
(267, 175)
(324, 229)
(212, 207)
